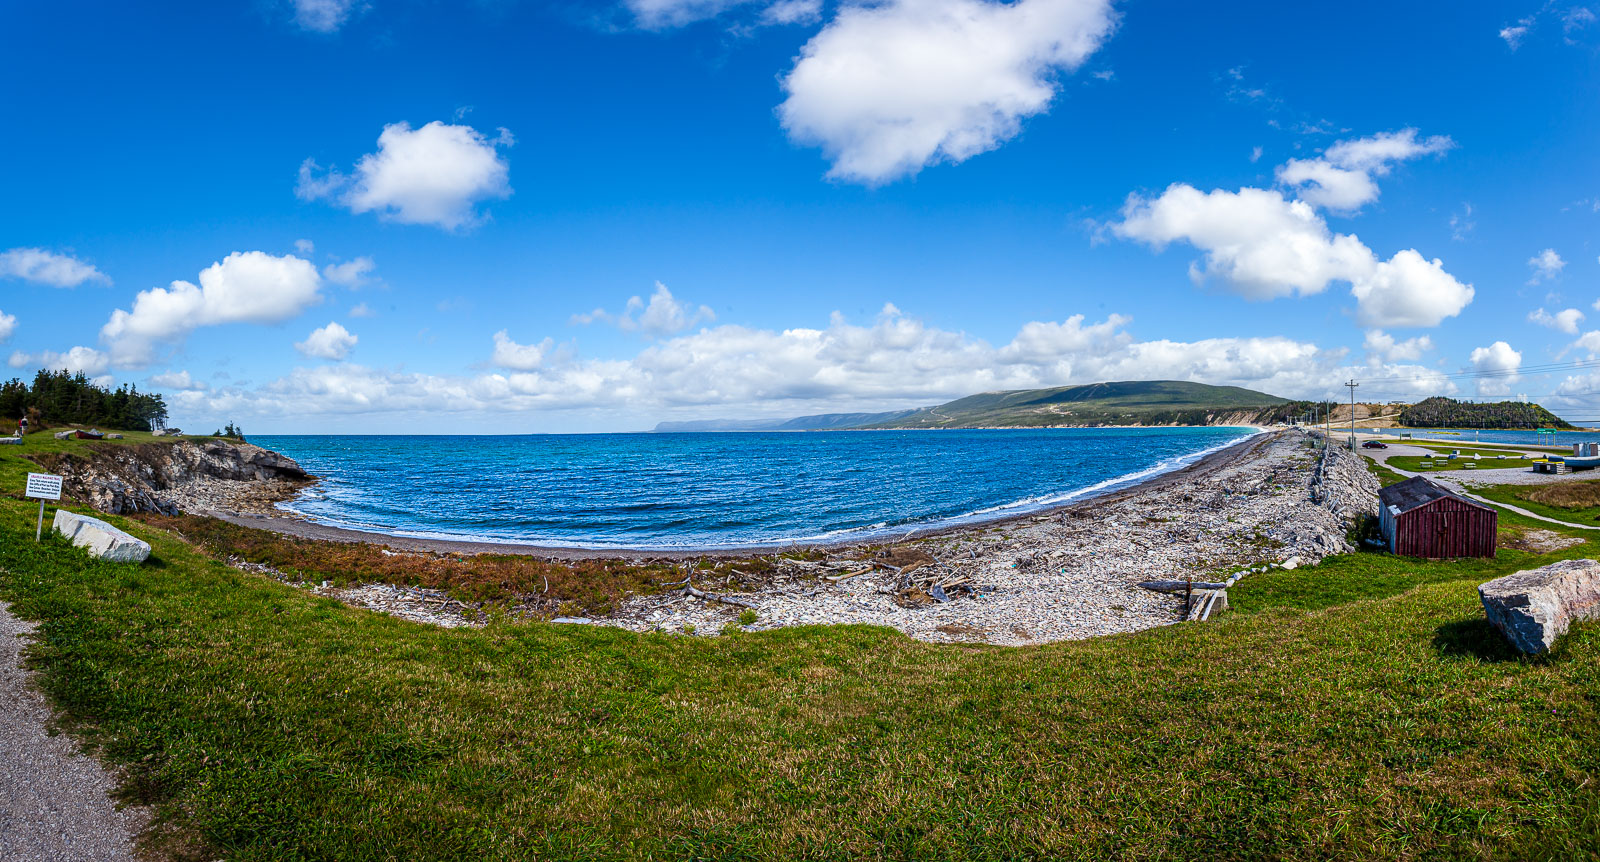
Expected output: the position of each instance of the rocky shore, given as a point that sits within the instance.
(1073, 573)
(189, 475)
(1273, 500)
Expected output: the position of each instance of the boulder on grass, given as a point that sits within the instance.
(99, 538)
(1535, 607)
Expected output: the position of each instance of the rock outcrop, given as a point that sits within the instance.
(99, 538)
(181, 476)
(1535, 607)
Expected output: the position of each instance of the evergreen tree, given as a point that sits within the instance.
(64, 398)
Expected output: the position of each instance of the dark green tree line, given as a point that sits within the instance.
(63, 398)
(1450, 413)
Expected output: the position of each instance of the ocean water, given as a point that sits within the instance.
(1564, 439)
(718, 490)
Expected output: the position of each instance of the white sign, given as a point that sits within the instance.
(44, 486)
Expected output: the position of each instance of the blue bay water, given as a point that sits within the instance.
(1563, 439)
(718, 490)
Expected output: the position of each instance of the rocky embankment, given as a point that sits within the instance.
(1073, 573)
(181, 476)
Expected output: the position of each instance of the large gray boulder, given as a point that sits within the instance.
(1535, 607)
(99, 538)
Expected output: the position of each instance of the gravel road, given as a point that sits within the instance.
(55, 802)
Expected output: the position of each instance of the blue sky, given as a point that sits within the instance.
(397, 215)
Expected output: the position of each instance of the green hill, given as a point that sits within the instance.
(1450, 413)
(1137, 402)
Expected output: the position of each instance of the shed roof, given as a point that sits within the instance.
(1418, 491)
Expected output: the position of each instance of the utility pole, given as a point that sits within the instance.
(1352, 384)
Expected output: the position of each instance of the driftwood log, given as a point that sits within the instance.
(1181, 586)
(689, 588)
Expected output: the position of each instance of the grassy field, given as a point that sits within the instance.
(1358, 709)
(1574, 501)
(1487, 462)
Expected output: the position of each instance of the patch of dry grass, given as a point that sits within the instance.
(1565, 495)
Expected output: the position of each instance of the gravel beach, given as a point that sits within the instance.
(1064, 574)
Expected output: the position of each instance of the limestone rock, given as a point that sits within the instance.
(1535, 607)
(181, 476)
(99, 538)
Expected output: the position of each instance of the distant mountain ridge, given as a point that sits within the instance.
(819, 422)
(1137, 402)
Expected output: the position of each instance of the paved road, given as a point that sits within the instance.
(54, 802)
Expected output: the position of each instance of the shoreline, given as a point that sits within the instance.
(1074, 571)
(305, 528)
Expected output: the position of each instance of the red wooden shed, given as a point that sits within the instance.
(1421, 519)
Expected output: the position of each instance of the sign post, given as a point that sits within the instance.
(44, 487)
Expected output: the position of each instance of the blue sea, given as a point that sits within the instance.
(719, 490)
(1524, 438)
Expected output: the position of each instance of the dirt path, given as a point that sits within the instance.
(55, 802)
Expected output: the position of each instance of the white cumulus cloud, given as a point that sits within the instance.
(1546, 264)
(323, 16)
(888, 88)
(351, 273)
(1499, 361)
(1264, 246)
(1342, 178)
(1566, 320)
(1390, 349)
(662, 14)
(47, 267)
(179, 380)
(1408, 290)
(329, 342)
(510, 355)
(78, 360)
(892, 361)
(436, 175)
(1261, 244)
(8, 325)
(244, 287)
(663, 314)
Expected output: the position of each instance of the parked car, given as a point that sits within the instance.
(1374, 444)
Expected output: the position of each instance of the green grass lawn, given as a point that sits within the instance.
(1357, 709)
(1487, 462)
(1517, 495)
(1386, 476)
